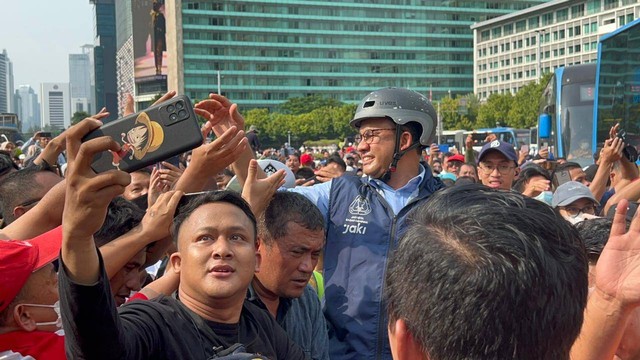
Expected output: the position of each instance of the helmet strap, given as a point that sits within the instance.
(397, 154)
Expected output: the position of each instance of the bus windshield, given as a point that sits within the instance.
(618, 98)
(577, 128)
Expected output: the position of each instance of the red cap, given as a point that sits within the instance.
(456, 157)
(18, 259)
(306, 159)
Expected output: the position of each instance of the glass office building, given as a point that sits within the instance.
(265, 52)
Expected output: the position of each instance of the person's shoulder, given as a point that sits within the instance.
(159, 306)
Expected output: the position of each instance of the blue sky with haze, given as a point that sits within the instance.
(39, 35)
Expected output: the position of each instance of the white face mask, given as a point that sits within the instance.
(56, 308)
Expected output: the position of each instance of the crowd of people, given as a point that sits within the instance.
(386, 248)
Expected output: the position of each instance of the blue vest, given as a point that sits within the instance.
(362, 230)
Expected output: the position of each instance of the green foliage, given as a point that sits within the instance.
(524, 112)
(495, 110)
(327, 122)
(304, 105)
(79, 116)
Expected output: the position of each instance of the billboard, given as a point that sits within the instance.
(149, 41)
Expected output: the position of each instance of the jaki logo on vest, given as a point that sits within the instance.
(359, 208)
(354, 229)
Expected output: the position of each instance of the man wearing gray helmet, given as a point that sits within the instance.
(365, 216)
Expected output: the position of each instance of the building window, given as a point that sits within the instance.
(496, 32)
(547, 19)
(562, 15)
(534, 22)
(521, 26)
(508, 29)
(593, 6)
(577, 11)
(610, 4)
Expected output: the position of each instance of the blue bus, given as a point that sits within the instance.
(566, 112)
(516, 137)
(617, 97)
(582, 102)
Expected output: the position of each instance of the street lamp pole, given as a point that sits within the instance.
(219, 85)
(289, 137)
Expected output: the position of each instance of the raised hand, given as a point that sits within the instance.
(618, 268)
(87, 198)
(157, 221)
(258, 192)
(220, 114)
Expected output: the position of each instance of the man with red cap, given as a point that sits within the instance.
(452, 164)
(30, 323)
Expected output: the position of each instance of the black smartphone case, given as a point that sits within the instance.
(149, 136)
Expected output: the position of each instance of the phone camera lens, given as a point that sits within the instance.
(182, 113)
(171, 108)
(179, 105)
(173, 117)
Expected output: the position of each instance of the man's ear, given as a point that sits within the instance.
(18, 211)
(23, 318)
(405, 140)
(517, 173)
(403, 344)
(258, 261)
(176, 262)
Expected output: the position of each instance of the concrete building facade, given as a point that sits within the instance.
(55, 105)
(27, 108)
(6, 83)
(513, 50)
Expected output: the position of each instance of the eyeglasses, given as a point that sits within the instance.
(574, 211)
(488, 169)
(371, 136)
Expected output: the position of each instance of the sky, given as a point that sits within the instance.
(39, 35)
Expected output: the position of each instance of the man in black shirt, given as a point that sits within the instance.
(216, 260)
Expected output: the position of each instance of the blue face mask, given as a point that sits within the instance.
(545, 197)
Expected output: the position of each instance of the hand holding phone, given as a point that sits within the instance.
(149, 136)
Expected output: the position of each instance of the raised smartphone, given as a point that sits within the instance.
(149, 136)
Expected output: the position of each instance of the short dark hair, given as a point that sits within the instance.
(415, 129)
(567, 166)
(17, 188)
(122, 216)
(337, 160)
(595, 234)
(487, 274)
(286, 207)
(464, 180)
(529, 171)
(226, 196)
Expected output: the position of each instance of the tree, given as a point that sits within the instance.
(79, 116)
(524, 112)
(304, 105)
(495, 110)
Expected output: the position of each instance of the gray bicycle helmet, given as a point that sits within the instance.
(402, 106)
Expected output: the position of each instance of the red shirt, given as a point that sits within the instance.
(41, 345)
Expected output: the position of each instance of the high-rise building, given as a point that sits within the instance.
(80, 82)
(515, 49)
(139, 72)
(28, 108)
(104, 57)
(267, 51)
(55, 109)
(6, 83)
